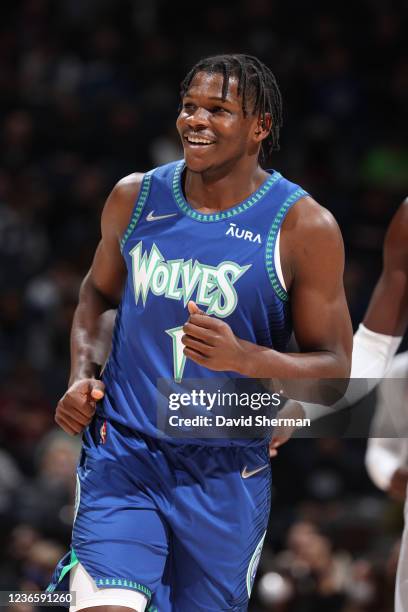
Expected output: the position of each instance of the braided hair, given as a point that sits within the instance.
(256, 84)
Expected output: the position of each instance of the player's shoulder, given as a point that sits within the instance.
(124, 195)
(310, 237)
(125, 192)
(128, 186)
(119, 205)
(309, 220)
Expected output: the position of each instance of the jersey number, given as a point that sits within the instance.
(179, 358)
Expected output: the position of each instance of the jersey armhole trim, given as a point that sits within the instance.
(271, 242)
(138, 207)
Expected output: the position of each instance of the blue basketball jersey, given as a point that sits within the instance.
(223, 261)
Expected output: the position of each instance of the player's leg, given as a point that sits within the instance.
(219, 519)
(119, 537)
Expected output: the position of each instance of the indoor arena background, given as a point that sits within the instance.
(89, 93)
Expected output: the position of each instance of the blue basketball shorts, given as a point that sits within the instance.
(182, 523)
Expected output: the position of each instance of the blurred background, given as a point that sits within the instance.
(89, 93)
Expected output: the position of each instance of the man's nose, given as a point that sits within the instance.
(198, 119)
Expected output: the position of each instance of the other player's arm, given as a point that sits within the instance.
(387, 312)
(378, 337)
(100, 291)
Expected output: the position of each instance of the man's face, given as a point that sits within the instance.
(214, 132)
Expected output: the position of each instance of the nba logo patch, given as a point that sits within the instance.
(103, 432)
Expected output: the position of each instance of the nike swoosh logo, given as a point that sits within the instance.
(151, 217)
(248, 473)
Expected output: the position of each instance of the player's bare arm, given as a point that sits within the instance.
(313, 262)
(100, 290)
(387, 312)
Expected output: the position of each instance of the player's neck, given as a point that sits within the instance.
(223, 188)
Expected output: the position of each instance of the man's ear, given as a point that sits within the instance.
(263, 127)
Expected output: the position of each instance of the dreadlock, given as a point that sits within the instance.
(256, 85)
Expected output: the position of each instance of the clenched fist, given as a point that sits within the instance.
(210, 342)
(77, 406)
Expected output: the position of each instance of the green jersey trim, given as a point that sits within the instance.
(72, 563)
(103, 582)
(186, 209)
(140, 202)
(123, 583)
(271, 241)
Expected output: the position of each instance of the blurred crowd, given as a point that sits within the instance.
(89, 94)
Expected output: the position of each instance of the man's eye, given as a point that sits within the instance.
(188, 106)
(219, 109)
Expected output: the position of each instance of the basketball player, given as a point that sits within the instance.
(163, 524)
(386, 321)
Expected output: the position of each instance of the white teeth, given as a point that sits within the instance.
(197, 140)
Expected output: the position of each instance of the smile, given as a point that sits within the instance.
(197, 140)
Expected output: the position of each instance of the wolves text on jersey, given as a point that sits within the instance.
(177, 279)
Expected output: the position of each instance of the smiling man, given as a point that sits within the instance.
(212, 262)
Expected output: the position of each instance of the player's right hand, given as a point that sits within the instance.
(77, 406)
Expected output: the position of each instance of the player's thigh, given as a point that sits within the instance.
(205, 581)
(219, 526)
(119, 535)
